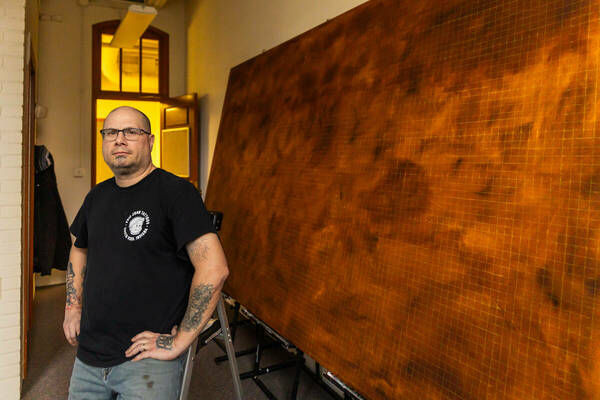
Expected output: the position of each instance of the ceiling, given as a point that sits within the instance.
(158, 4)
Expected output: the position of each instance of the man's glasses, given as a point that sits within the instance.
(131, 134)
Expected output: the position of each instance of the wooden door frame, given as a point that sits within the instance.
(189, 101)
(27, 207)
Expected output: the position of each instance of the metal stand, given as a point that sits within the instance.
(263, 332)
(191, 354)
(257, 371)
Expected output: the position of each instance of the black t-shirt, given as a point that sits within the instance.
(138, 273)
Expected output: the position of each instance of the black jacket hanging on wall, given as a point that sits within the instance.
(51, 237)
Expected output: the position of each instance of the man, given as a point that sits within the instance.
(144, 241)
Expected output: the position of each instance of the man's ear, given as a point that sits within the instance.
(151, 142)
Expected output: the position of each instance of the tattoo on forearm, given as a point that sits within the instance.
(201, 249)
(164, 342)
(199, 298)
(73, 298)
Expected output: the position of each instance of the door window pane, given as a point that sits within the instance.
(131, 69)
(175, 144)
(149, 66)
(110, 65)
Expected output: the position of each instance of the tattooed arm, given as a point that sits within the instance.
(210, 273)
(74, 289)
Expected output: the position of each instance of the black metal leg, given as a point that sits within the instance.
(299, 364)
(318, 376)
(236, 314)
(246, 352)
(260, 338)
(264, 389)
(267, 370)
(222, 347)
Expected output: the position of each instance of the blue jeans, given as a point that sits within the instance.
(148, 379)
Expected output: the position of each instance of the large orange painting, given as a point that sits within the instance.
(411, 195)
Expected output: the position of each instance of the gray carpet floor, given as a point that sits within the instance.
(51, 361)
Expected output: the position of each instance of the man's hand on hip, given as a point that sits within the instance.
(154, 345)
(72, 323)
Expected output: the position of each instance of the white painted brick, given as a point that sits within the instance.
(9, 173)
(6, 308)
(12, 332)
(10, 247)
(14, 62)
(13, 160)
(12, 88)
(11, 387)
(11, 110)
(13, 271)
(8, 212)
(12, 3)
(10, 295)
(7, 136)
(9, 371)
(9, 260)
(8, 235)
(12, 186)
(9, 346)
(10, 161)
(9, 225)
(16, 10)
(8, 199)
(9, 22)
(7, 222)
(6, 321)
(12, 99)
(15, 36)
(10, 49)
(9, 357)
(11, 283)
(10, 149)
(11, 74)
(11, 123)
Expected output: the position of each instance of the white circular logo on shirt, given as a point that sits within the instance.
(136, 225)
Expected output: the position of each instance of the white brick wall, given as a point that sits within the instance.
(12, 37)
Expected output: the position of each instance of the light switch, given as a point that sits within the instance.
(79, 172)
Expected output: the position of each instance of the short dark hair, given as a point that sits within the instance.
(145, 120)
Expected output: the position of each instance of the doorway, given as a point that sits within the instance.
(174, 123)
(101, 172)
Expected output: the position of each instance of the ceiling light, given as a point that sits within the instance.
(135, 23)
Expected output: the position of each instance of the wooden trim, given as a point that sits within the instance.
(97, 30)
(110, 27)
(163, 66)
(140, 65)
(189, 101)
(27, 203)
(96, 48)
(129, 96)
(93, 150)
(194, 142)
(120, 71)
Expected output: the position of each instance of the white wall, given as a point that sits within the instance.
(12, 37)
(223, 33)
(64, 87)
